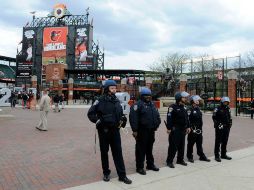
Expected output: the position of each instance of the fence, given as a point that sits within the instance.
(244, 95)
(210, 90)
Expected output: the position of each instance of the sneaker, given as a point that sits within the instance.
(125, 180)
(41, 129)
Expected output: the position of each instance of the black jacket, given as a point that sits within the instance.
(108, 110)
(195, 117)
(56, 99)
(177, 118)
(252, 104)
(144, 115)
(222, 115)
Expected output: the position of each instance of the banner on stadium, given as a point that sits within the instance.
(54, 46)
(82, 59)
(25, 59)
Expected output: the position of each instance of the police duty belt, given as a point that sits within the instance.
(195, 130)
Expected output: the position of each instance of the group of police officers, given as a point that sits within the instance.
(144, 118)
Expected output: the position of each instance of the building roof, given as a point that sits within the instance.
(106, 72)
(110, 72)
(4, 58)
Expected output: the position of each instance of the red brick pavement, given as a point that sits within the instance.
(64, 156)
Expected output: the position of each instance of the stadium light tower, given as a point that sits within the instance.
(33, 13)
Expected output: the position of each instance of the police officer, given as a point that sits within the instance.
(222, 124)
(108, 115)
(144, 121)
(195, 136)
(252, 109)
(177, 127)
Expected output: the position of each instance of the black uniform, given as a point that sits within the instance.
(177, 122)
(107, 113)
(252, 109)
(222, 124)
(195, 136)
(144, 119)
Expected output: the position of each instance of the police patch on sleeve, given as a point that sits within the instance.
(96, 102)
(135, 107)
(215, 110)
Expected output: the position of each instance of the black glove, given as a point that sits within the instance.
(230, 123)
(123, 121)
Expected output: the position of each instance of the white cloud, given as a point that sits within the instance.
(10, 38)
(239, 12)
(189, 26)
(133, 60)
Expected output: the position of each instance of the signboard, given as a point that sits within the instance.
(54, 46)
(24, 69)
(25, 60)
(220, 75)
(82, 60)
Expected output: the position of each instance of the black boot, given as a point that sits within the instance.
(125, 180)
(217, 158)
(141, 171)
(226, 157)
(182, 162)
(191, 160)
(154, 168)
(171, 165)
(204, 159)
(106, 178)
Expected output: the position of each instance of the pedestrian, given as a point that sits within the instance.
(252, 108)
(222, 124)
(19, 98)
(30, 99)
(56, 100)
(61, 101)
(13, 99)
(44, 109)
(144, 120)
(177, 127)
(108, 115)
(196, 134)
(25, 98)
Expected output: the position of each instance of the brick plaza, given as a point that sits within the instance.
(64, 156)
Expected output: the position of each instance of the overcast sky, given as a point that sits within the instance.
(136, 33)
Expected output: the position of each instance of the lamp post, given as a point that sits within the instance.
(206, 95)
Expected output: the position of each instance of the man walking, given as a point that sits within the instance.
(44, 109)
